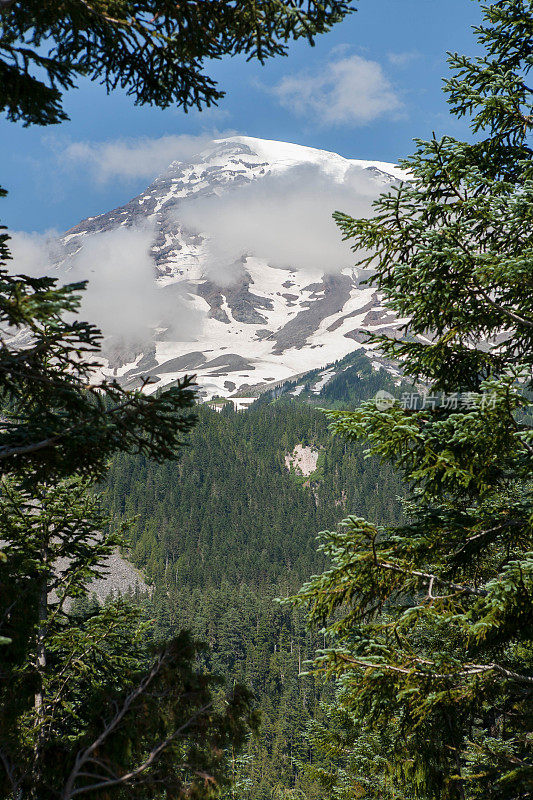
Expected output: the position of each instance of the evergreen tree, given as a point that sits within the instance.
(431, 622)
(80, 706)
(57, 420)
(89, 701)
(154, 49)
(226, 542)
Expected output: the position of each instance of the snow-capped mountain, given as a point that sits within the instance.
(260, 307)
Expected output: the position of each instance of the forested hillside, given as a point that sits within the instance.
(229, 528)
(344, 383)
(368, 597)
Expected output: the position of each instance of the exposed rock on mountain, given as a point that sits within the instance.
(303, 460)
(219, 225)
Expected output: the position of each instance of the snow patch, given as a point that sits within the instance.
(325, 378)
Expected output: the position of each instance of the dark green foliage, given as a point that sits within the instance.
(348, 761)
(88, 698)
(228, 529)
(153, 49)
(230, 502)
(62, 678)
(56, 421)
(461, 231)
(354, 380)
(258, 644)
(88, 703)
(430, 623)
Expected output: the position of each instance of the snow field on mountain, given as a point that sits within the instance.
(258, 318)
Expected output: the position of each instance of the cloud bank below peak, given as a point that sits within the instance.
(284, 219)
(122, 297)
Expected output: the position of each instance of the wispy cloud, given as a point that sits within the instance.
(402, 59)
(351, 90)
(131, 159)
(122, 296)
(284, 218)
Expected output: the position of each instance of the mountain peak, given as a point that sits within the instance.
(287, 154)
(241, 246)
(284, 155)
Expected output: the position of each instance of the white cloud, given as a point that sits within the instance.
(351, 90)
(122, 297)
(131, 159)
(285, 218)
(402, 59)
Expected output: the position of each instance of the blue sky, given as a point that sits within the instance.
(365, 91)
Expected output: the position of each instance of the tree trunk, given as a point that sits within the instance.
(40, 645)
(40, 665)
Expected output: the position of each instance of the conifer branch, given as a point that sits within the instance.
(107, 783)
(431, 579)
(507, 311)
(469, 670)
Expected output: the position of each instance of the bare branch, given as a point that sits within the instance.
(99, 13)
(7, 451)
(88, 755)
(512, 314)
(431, 579)
(106, 783)
(483, 292)
(469, 670)
(430, 595)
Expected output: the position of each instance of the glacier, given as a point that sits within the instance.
(261, 318)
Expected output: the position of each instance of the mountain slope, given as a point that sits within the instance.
(264, 309)
(232, 526)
